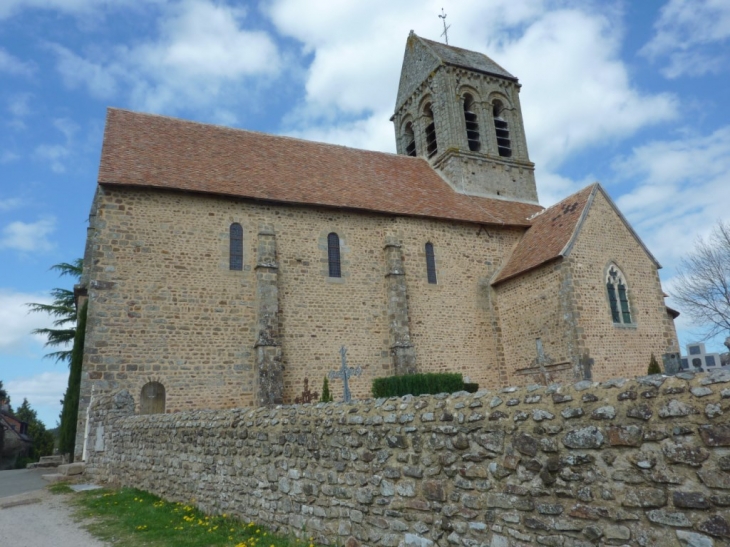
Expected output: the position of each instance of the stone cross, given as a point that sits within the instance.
(541, 361)
(345, 372)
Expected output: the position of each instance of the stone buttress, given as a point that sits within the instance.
(269, 368)
(401, 348)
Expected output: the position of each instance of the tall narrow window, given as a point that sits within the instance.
(333, 255)
(410, 140)
(430, 264)
(472, 125)
(431, 144)
(504, 145)
(617, 296)
(236, 247)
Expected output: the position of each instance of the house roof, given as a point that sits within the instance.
(554, 231)
(144, 150)
(465, 58)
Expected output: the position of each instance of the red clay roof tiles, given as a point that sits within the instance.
(548, 236)
(159, 152)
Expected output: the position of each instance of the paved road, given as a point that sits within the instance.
(19, 481)
(31, 516)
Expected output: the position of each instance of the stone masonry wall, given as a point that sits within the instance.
(641, 463)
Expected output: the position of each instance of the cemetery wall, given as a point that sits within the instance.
(627, 462)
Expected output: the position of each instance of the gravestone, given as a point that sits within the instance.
(672, 363)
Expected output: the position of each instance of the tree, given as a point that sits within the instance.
(42, 439)
(3, 393)
(326, 395)
(63, 308)
(702, 284)
(654, 366)
(69, 413)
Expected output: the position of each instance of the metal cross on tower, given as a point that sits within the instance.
(445, 33)
(345, 372)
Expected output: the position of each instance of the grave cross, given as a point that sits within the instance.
(345, 372)
(541, 360)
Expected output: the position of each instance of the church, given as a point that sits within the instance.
(226, 268)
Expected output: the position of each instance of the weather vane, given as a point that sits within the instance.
(445, 33)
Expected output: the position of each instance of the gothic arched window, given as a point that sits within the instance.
(410, 140)
(618, 297)
(333, 255)
(431, 144)
(472, 125)
(152, 398)
(430, 264)
(236, 247)
(504, 145)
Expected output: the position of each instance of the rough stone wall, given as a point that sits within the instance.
(639, 463)
(537, 305)
(164, 306)
(604, 239)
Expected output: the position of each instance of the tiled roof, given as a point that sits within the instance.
(549, 235)
(159, 152)
(457, 56)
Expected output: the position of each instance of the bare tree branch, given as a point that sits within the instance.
(702, 284)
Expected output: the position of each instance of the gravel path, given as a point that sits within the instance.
(39, 519)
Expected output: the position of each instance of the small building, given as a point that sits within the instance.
(14, 439)
(698, 360)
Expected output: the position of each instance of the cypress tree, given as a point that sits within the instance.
(69, 414)
(326, 395)
(654, 366)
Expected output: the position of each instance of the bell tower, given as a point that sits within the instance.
(461, 111)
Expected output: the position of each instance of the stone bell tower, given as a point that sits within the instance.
(461, 111)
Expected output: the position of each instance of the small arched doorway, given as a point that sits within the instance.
(152, 398)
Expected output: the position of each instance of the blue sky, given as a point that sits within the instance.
(633, 94)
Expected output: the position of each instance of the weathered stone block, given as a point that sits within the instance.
(586, 437)
(631, 435)
(715, 435)
(646, 498)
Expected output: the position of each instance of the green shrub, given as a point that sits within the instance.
(417, 384)
(654, 366)
(326, 395)
(471, 387)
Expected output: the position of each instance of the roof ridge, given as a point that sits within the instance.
(262, 133)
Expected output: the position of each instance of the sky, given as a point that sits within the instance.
(631, 94)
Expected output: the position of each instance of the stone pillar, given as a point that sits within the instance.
(401, 348)
(269, 369)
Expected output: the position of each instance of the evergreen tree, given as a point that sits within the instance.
(63, 308)
(3, 393)
(654, 367)
(42, 439)
(69, 413)
(326, 395)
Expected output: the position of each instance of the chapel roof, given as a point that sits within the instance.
(144, 150)
(553, 232)
(466, 58)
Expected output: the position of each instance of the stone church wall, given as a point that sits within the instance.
(642, 463)
(537, 305)
(605, 239)
(164, 306)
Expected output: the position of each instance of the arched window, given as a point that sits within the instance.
(236, 247)
(152, 399)
(410, 140)
(504, 145)
(472, 125)
(430, 264)
(431, 144)
(333, 255)
(618, 298)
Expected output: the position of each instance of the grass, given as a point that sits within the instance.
(60, 488)
(130, 517)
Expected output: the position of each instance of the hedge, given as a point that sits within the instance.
(419, 384)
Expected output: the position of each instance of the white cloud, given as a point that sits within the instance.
(203, 57)
(18, 105)
(690, 34)
(16, 323)
(680, 188)
(42, 389)
(13, 65)
(27, 237)
(56, 154)
(576, 93)
(6, 156)
(7, 204)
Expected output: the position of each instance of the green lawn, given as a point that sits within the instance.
(130, 517)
